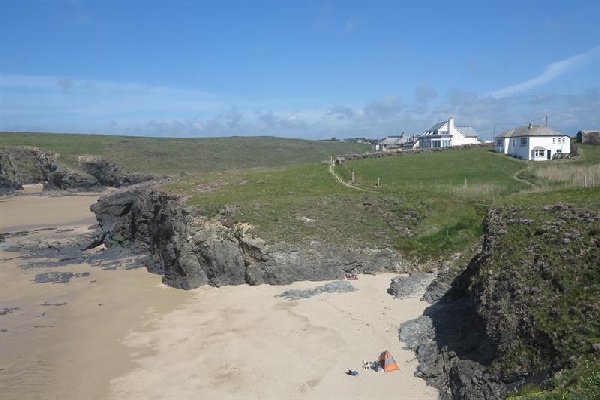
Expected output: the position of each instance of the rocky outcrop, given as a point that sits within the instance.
(25, 165)
(191, 251)
(71, 181)
(109, 174)
(525, 307)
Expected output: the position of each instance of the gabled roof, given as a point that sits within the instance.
(466, 131)
(533, 130)
(587, 131)
(436, 126)
(393, 141)
(506, 134)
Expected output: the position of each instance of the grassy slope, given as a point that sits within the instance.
(423, 208)
(172, 156)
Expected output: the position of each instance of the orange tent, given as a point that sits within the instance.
(387, 362)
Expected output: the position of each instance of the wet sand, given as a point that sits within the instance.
(121, 334)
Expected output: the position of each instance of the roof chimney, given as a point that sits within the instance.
(450, 124)
(530, 125)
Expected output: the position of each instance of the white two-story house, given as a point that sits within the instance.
(533, 142)
(446, 134)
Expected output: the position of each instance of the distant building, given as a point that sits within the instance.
(446, 134)
(588, 137)
(391, 143)
(533, 142)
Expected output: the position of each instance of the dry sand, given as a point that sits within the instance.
(124, 335)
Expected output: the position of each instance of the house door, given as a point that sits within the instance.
(549, 154)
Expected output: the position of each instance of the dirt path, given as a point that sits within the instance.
(342, 182)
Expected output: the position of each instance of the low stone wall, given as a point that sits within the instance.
(401, 152)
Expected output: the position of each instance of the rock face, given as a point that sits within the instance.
(24, 165)
(109, 174)
(526, 305)
(72, 181)
(191, 251)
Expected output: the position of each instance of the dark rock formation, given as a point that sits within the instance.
(25, 165)
(190, 250)
(525, 307)
(331, 287)
(72, 181)
(8, 310)
(109, 174)
(413, 283)
(58, 277)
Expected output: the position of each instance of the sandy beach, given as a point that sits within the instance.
(121, 334)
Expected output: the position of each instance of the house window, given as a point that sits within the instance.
(499, 142)
(514, 142)
(538, 153)
(523, 141)
(559, 151)
(554, 140)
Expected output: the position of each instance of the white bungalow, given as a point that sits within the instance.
(446, 134)
(533, 142)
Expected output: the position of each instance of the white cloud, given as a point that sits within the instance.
(551, 72)
(66, 104)
(424, 92)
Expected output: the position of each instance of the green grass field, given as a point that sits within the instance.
(429, 206)
(173, 156)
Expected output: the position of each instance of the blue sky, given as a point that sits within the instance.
(297, 68)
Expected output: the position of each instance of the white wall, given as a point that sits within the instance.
(503, 147)
(556, 144)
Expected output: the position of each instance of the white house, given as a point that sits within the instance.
(446, 134)
(533, 142)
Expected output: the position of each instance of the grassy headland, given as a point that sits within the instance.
(168, 156)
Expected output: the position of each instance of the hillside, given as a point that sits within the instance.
(167, 156)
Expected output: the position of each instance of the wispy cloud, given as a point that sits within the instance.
(551, 72)
(67, 104)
